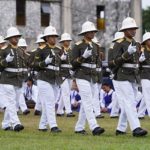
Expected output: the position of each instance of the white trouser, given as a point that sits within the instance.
(20, 100)
(47, 97)
(96, 99)
(142, 109)
(3, 101)
(9, 95)
(38, 105)
(60, 109)
(114, 105)
(146, 90)
(86, 110)
(65, 97)
(127, 91)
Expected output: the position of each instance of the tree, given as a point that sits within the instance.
(146, 19)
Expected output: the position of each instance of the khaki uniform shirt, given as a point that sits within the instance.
(82, 72)
(49, 75)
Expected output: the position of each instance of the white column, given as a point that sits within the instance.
(136, 13)
(67, 16)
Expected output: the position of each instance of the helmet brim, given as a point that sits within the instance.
(64, 40)
(82, 33)
(7, 38)
(123, 29)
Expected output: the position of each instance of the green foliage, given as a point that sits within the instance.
(146, 19)
(32, 139)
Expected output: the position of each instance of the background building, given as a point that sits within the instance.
(32, 16)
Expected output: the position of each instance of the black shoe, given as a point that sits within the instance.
(8, 129)
(37, 113)
(18, 127)
(141, 118)
(59, 115)
(43, 130)
(98, 131)
(27, 111)
(81, 132)
(70, 115)
(139, 132)
(99, 116)
(118, 132)
(55, 130)
(113, 117)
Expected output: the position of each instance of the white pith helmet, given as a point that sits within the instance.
(39, 39)
(50, 31)
(22, 43)
(65, 37)
(128, 23)
(88, 27)
(118, 35)
(2, 39)
(11, 32)
(146, 37)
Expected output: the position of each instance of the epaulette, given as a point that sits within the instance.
(112, 45)
(98, 44)
(142, 49)
(4, 47)
(58, 47)
(42, 46)
(27, 53)
(120, 40)
(79, 42)
(33, 50)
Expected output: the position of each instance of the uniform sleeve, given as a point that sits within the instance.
(77, 59)
(3, 62)
(110, 58)
(100, 56)
(120, 55)
(38, 62)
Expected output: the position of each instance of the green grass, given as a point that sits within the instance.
(31, 139)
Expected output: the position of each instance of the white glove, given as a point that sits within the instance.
(9, 58)
(87, 53)
(142, 57)
(111, 76)
(63, 56)
(71, 73)
(48, 60)
(131, 49)
(108, 70)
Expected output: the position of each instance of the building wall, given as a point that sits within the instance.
(33, 19)
(7, 15)
(115, 12)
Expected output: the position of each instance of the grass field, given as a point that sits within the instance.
(32, 139)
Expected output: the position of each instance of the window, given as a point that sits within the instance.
(45, 13)
(20, 12)
(100, 17)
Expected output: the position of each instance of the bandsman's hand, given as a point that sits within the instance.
(142, 57)
(9, 57)
(71, 73)
(131, 49)
(48, 60)
(63, 56)
(87, 53)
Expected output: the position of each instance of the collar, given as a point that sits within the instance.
(66, 49)
(13, 46)
(129, 40)
(86, 41)
(50, 46)
(148, 48)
